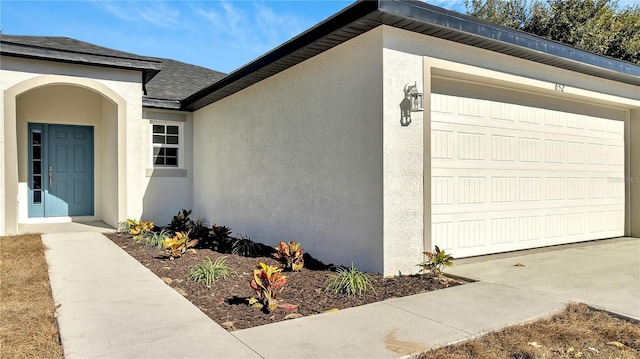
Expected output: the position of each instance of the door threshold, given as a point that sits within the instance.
(63, 219)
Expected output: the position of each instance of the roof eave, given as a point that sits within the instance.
(149, 68)
(323, 29)
(161, 103)
(421, 18)
(490, 36)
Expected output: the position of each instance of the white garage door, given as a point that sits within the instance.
(508, 177)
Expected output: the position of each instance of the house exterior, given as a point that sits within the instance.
(523, 142)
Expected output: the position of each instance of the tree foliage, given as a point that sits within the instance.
(598, 26)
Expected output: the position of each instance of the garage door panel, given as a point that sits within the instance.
(452, 125)
(508, 177)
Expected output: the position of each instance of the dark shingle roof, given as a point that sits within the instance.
(166, 81)
(69, 45)
(178, 80)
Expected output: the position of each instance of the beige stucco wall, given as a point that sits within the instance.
(633, 178)
(298, 156)
(116, 95)
(509, 77)
(403, 164)
(169, 190)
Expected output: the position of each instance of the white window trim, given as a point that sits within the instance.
(180, 145)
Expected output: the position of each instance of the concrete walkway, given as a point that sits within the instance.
(114, 307)
(603, 274)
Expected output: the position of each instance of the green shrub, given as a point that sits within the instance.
(349, 281)
(199, 228)
(436, 262)
(181, 222)
(208, 272)
(221, 233)
(244, 246)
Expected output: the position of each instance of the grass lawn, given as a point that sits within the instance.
(27, 326)
(576, 332)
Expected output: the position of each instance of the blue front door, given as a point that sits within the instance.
(60, 170)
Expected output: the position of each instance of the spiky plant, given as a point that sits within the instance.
(349, 281)
(199, 228)
(244, 246)
(155, 239)
(208, 272)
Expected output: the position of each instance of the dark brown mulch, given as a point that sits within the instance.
(225, 301)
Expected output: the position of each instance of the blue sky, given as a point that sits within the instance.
(220, 35)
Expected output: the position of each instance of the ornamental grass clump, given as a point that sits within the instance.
(349, 281)
(153, 239)
(208, 271)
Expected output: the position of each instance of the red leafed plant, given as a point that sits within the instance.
(267, 282)
(290, 255)
(436, 261)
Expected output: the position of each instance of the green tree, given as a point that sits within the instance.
(598, 26)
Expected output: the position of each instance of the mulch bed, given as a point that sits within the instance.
(225, 301)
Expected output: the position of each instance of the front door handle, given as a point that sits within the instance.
(50, 176)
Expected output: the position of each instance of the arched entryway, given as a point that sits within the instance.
(65, 159)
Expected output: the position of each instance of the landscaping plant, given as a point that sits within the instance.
(175, 246)
(244, 246)
(139, 228)
(209, 272)
(181, 222)
(154, 239)
(290, 255)
(349, 281)
(123, 227)
(436, 262)
(199, 228)
(267, 282)
(221, 233)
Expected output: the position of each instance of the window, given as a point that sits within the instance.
(36, 165)
(166, 141)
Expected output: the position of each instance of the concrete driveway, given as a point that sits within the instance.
(604, 274)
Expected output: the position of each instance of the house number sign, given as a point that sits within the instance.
(560, 87)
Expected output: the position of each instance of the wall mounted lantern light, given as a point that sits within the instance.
(415, 96)
(412, 102)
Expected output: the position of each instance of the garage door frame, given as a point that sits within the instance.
(433, 69)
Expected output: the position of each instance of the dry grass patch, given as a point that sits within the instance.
(577, 332)
(28, 325)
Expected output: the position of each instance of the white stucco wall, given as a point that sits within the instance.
(633, 174)
(119, 88)
(298, 156)
(405, 52)
(403, 157)
(169, 190)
